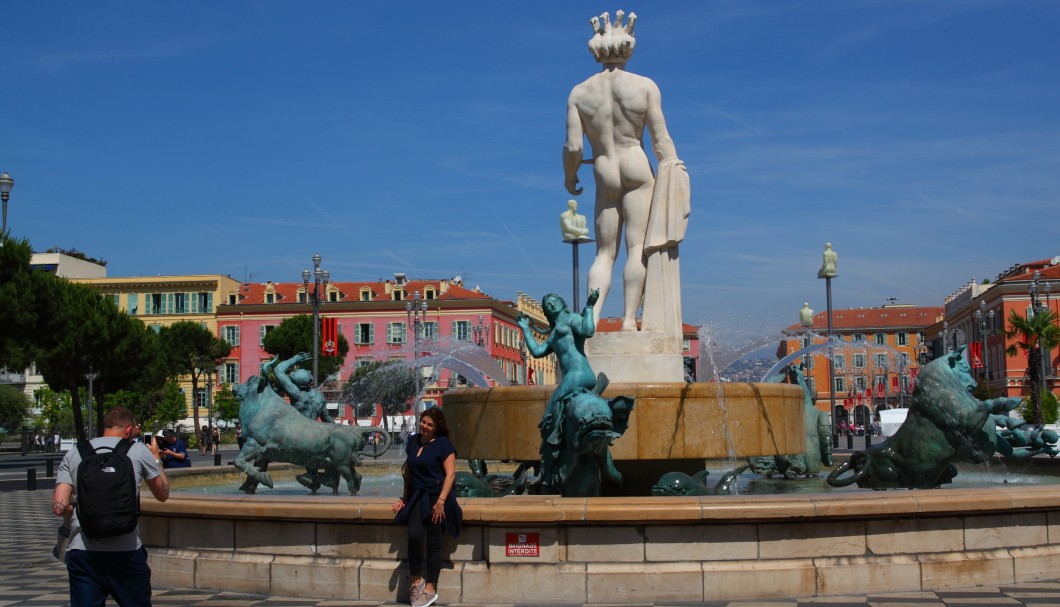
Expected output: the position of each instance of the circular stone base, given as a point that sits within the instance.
(669, 422)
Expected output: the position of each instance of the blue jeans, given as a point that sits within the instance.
(122, 575)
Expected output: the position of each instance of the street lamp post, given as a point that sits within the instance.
(828, 272)
(416, 316)
(320, 278)
(481, 331)
(981, 317)
(6, 183)
(1037, 307)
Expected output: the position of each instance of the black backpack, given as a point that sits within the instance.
(108, 503)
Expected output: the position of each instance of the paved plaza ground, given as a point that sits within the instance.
(29, 576)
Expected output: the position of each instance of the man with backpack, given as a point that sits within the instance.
(98, 484)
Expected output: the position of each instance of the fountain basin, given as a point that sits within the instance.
(673, 426)
(615, 550)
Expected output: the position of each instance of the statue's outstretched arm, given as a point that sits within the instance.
(587, 326)
(536, 349)
(285, 382)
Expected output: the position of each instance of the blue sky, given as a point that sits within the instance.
(921, 138)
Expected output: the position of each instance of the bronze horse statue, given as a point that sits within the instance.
(276, 431)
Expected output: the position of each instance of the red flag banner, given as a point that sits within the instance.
(329, 342)
(868, 392)
(894, 384)
(975, 355)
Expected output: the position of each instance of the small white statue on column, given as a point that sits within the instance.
(572, 224)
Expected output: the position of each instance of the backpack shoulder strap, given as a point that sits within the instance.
(123, 446)
(85, 449)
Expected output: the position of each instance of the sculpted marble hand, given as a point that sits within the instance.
(612, 109)
(571, 223)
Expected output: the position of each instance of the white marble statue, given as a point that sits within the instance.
(571, 223)
(612, 108)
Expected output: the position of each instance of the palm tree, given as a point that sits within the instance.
(1034, 334)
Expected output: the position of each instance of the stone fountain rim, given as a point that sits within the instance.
(555, 510)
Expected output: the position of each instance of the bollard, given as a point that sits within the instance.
(31, 479)
(868, 439)
(835, 441)
(217, 458)
(850, 441)
(49, 468)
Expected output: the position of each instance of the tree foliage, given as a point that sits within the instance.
(1033, 333)
(389, 385)
(27, 301)
(14, 408)
(191, 349)
(56, 410)
(295, 335)
(226, 405)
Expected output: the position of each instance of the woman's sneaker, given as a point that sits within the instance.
(417, 591)
(428, 598)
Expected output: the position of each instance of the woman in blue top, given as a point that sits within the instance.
(428, 505)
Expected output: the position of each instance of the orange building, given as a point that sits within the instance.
(976, 315)
(876, 364)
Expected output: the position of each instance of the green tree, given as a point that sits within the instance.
(90, 333)
(983, 390)
(191, 349)
(14, 408)
(1050, 407)
(390, 385)
(1033, 334)
(56, 410)
(295, 335)
(226, 405)
(154, 410)
(27, 300)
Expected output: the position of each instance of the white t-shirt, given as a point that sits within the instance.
(144, 467)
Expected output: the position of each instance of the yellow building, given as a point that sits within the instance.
(160, 301)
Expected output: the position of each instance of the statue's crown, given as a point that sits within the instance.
(612, 43)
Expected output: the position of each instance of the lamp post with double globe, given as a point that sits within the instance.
(416, 316)
(321, 278)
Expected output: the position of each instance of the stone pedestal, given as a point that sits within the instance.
(637, 356)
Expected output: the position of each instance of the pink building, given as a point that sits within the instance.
(376, 320)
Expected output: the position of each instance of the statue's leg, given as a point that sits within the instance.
(251, 451)
(310, 480)
(608, 227)
(635, 208)
(330, 478)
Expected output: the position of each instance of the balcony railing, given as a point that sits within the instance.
(7, 377)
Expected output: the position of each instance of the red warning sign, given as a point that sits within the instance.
(522, 544)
